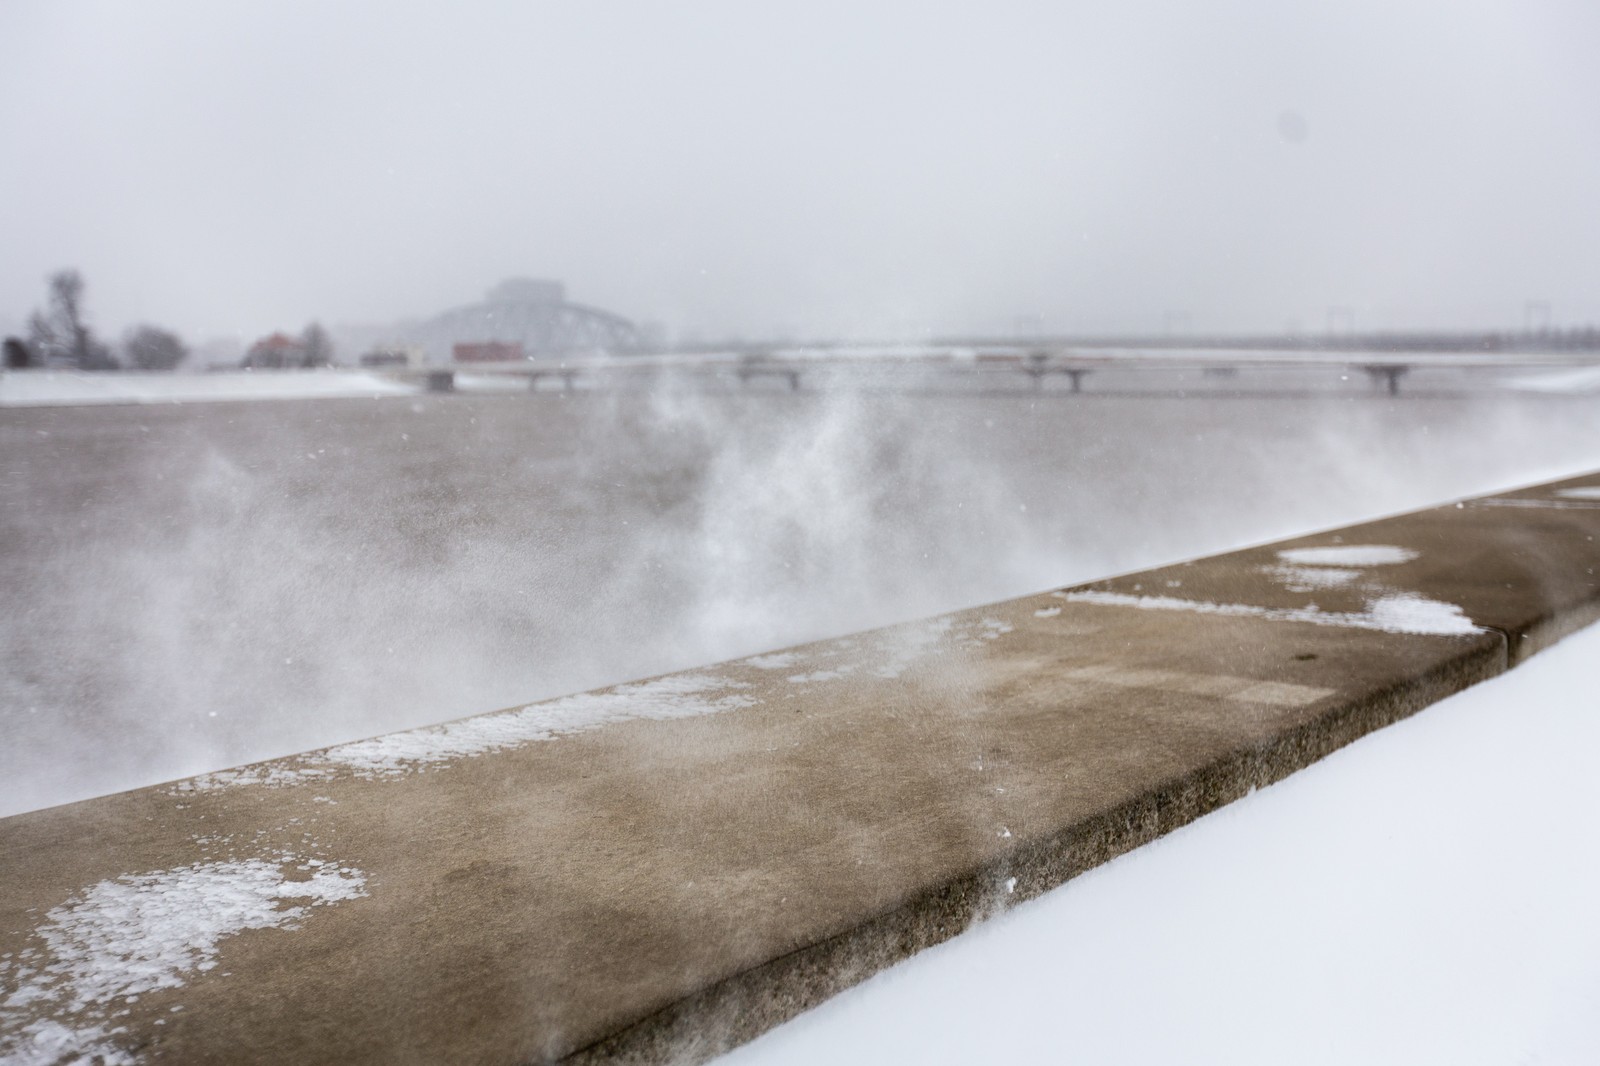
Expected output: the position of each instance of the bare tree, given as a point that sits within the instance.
(58, 335)
(153, 348)
(318, 347)
(17, 355)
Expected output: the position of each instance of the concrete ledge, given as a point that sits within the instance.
(1522, 563)
(662, 870)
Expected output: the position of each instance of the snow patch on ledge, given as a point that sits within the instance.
(1348, 555)
(1401, 612)
(887, 654)
(1410, 613)
(820, 675)
(777, 660)
(120, 939)
(1312, 578)
(396, 754)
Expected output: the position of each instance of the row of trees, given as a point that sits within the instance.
(58, 336)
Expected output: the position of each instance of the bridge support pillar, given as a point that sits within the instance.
(1389, 374)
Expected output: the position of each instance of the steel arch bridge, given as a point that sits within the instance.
(543, 322)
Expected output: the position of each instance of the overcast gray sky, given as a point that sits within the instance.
(814, 168)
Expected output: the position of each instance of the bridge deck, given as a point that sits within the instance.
(792, 366)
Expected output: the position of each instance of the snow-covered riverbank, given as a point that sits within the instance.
(69, 388)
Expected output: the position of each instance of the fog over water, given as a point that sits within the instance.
(197, 586)
(865, 169)
(191, 587)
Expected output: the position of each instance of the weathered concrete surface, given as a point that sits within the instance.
(662, 870)
(1523, 563)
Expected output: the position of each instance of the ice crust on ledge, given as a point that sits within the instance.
(680, 696)
(777, 660)
(885, 655)
(1400, 612)
(395, 754)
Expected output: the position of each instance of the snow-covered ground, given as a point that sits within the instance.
(71, 388)
(1426, 895)
(1577, 380)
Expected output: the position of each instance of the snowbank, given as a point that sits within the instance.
(67, 388)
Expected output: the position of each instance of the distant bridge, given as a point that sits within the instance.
(791, 367)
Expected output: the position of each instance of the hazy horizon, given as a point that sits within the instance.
(881, 170)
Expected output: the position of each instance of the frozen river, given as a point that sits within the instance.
(195, 586)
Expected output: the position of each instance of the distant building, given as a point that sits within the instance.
(276, 352)
(487, 352)
(530, 314)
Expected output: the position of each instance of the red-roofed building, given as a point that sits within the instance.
(275, 353)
